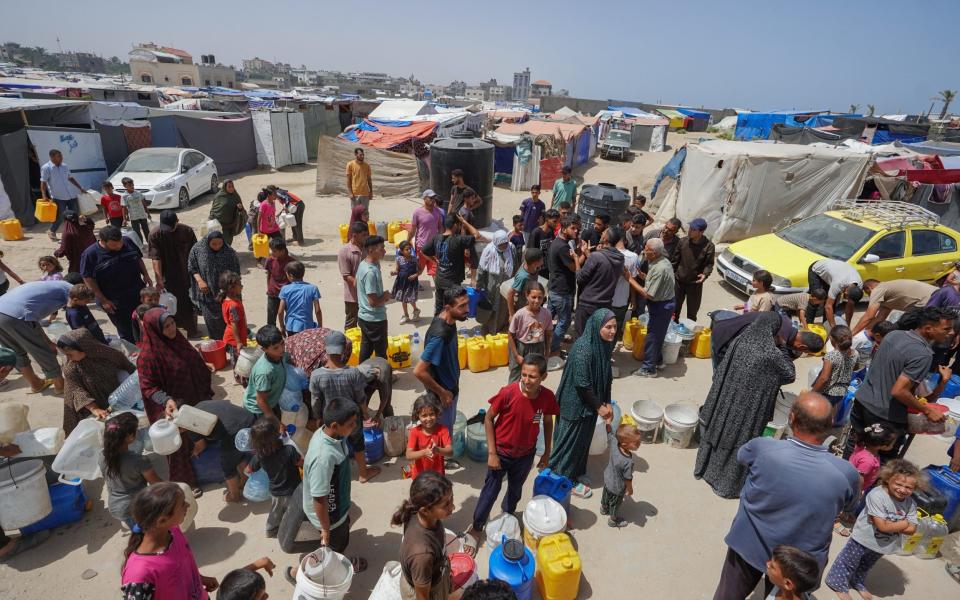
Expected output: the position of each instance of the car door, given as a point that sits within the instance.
(932, 254)
(890, 249)
(195, 175)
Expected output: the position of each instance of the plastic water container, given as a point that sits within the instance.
(502, 527)
(542, 516)
(44, 441)
(297, 379)
(382, 229)
(353, 334)
(478, 355)
(394, 436)
(80, 455)
(679, 424)
(372, 442)
(193, 419)
(344, 232)
(323, 575)
(245, 361)
(671, 348)
(206, 466)
(294, 414)
(639, 339)
(512, 563)
(700, 346)
(462, 351)
(13, 420)
(241, 441)
(169, 301)
(598, 445)
(558, 568)
(398, 351)
(165, 437)
(629, 333)
(416, 347)
(45, 212)
(947, 483)
(499, 348)
(648, 416)
(24, 497)
(261, 245)
(936, 532)
(214, 352)
(372, 227)
(68, 503)
(473, 299)
(476, 442)
(11, 230)
(459, 434)
(257, 488)
(554, 485)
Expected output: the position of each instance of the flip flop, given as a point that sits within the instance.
(840, 529)
(953, 570)
(359, 564)
(470, 542)
(26, 542)
(375, 470)
(581, 491)
(43, 385)
(290, 577)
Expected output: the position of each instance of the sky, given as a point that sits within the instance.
(753, 54)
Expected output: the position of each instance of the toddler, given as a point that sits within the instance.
(838, 365)
(125, 472)
(282, 464)
(406, 287)
(149, 298)
(78, 313)
(793, 573)
(51, 268)
(531, 329)
(618, 475)
(234, 316)
(298, 301)
(429, 439)
(762, 298)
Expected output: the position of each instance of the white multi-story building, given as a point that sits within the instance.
(521, 84)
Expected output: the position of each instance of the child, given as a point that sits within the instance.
(793, 573)
(298, 301)
(406, 287)
(135, 209)
(234, 316)
(518, 237)
(281, 462)
(512, 425)
(618, 475)
(4, 271)
(531, 209)
(269, 374)
(78, 314)
(158, 562)
(762, 298)
(429, 440)
(125, 472)
(51, 268)
(424, 568)
(837, 366)
(471, 201)
(532, 263)
(276, 268)
(531, 329)
(111, 205)
(246, 583)
(870, 442)
(149, 298)
(889, 513)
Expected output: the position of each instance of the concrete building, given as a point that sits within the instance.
(82, 61)
(497, 93)
(216, 75)
(474, 93)
(541, 87)
(258, 66)
(162, 65)
(521, 84)
(456, 88)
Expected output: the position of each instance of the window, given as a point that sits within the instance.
(206, 82)
(186, 81)
(219, 83)
(927, 241)
(145, 78)
(889, 246)
(192, 159)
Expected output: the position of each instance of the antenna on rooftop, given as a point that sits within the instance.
(59, 47)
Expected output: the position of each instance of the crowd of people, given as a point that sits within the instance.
(563, 290)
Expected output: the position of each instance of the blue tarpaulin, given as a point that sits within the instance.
(757, 125)
(696, 114)
(503, 159)
(632, 111)
(671, 169)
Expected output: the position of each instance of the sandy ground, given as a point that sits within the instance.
(673, 547)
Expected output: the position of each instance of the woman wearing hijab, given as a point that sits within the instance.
(496, 267)
(584, 393)
(168, 247)
(359, 213)
(172, 373)
(292, 204)
(740, 403)
(89, 377)
(227, 207)
(210, 258)
(77, 236)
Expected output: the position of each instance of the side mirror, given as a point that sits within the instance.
(869, 259)
(184, 169)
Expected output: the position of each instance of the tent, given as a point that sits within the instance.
(745, 189)
(941, 149)
(577, 138)
(700, 119)
(757, 125)
(389, 134)
(399, 110)
(394, 173)
(874, 130)
(280, 138)
(517, 156)
(802, 135)
(322, 119)
(648, 134)
(229, 142)
(678, 120)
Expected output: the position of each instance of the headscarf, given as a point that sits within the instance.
(170, 365)
(587, 366)
(95, 377)
(210, 264)
(308, 349)
(491, 256)
(76, 238)
(356, 213)
(225, 206)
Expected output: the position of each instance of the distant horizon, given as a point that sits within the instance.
(756, 56)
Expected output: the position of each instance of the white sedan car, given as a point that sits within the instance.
(167, 177)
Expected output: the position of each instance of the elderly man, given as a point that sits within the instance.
(359, 180)
(658, 291)
(693, 261)
(58, 184)
(842, 283)
(897, 294)
(598, 277)
(113, 268)
(794, 490)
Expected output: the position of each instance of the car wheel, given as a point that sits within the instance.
(183, 198)
(213, 182)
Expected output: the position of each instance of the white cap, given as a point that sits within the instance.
(428, 194)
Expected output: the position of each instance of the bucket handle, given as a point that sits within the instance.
(62, 479)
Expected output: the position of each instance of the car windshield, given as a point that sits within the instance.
(618, 136)
(149, 162)
(827, 236)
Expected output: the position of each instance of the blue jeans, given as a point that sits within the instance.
(449, 414)
(62, 207)
(561, 307)
(657, 326)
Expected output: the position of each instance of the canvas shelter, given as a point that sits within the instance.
(803, 135)
(280, 138)
(678, 120)
(394, 173)
(757, 125)
(399, 110)
(575, 137)
(389, 134)
(700, 120)
(875, 130)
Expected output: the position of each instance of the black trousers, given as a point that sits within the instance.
(142, 228)
(516, 471)
(693, 293)
(738, 579)
(860, 419)
(373, 340)
(294, 517)
(297, 230)
(582, 313)
(273, 307)
(122, 317)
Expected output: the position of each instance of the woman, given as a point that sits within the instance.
(740, 403)
(210, 258)
(89, 377)
(496, 267)
(583, 394)
(228, 208)
(169, 246)
(308, 349)
(359, 213)
(293, 205)
(172, 373)
(77, 236)
(424, 566)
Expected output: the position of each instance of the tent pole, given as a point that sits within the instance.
(23, 116)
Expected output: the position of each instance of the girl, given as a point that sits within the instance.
(530, 329)
(234, 316)
(838, 365)
(158, 562)
(889, 513)
(762, 298)
(423, 562)
(429, 440)
(865, 458)
(281, 462)
(267, 216)
(4, 271)
(51, 268)
(125, 472)
(406, 287)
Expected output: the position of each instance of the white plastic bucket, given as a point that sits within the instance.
(679, 424)
(245, 361)
(544, 516)
(13, 420)
(671, 348)
(45, 441)
(394, 436)
(388, 586)
(503, 526)
(192, 507)
(648, 415)
(24, 496)
(165, 437)
(323, 575)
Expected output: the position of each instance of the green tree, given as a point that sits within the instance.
(854, 108)
(871, 109)
(945, 96)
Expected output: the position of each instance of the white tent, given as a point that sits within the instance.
(400, 110)
(745, 189)
(280, 137)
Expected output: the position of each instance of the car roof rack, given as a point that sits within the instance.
(889, 213)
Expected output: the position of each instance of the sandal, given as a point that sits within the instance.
(841, 529)
(953, 570)
(471, 541)
(581, 491)
(371, 473)
(290, 577)
(359, 564)
(43, 385)
(197, 492)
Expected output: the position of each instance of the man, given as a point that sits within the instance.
(658, 289)
(633, 240)
(55, 184)
(592, 236)
(113, 268)
(792, 341)
(668, 234)
(427, 221)
(901, 362)
(349, 258)
(842, 282)
(565, 190)
(530, 211)
(439, 365)
(797, 305)
(794, 490)
(624, 293)
(948, 296)
(599, 276)
(372, 300)
(564, 259)
(359, 180)
(452, 251)
(541, 237)
(457, 192)
(21, 310)
(693, 261)
(898, 294)
(471, 201)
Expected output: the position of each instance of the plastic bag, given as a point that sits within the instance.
(79, 458)
(257, 488)
(296, 379)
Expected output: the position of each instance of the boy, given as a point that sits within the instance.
(796, 305)
(276, 268)
(112, 208)
(471, 201)
(531, 328)
(793, 572)
(618, 475)
(543, 236)
(269, 374)
(518, 237)
(372, 313)
(532, 263)
(299, 300)
(336, 380)
(246, 583)
(530, 211)
(149, 298)
(512, 425)
(79, 315)
(135, 209)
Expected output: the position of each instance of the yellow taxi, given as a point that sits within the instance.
(884, 240)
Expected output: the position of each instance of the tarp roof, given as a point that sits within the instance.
(696, 114)
(17, 104)
(631, 111)
(564, 131)
(402, 109)
(672, 114)
(933, 147)
(387, 134)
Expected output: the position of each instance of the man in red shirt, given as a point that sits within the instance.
(513, 425)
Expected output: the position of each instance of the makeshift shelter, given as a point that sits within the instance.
(517, 157)
(648, 134)
(726, 124)
(802, 135)
(757, 125)
(400, 110)
(874, 130)
(389, 134)
(678, 120)
(394, 173)
(746, 189)
(575, 137)
(700, 120)
(280, 138)
(941, 149)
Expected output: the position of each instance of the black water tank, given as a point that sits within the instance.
(475, 158)
(601, 198)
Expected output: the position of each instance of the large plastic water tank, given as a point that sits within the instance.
(602, 198)
(475, 158)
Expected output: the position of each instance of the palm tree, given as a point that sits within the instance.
(871, 109)
(854, 108)
(945, 96)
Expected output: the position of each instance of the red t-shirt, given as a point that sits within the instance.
(420, 440)
(276, 274)
(518, 419)
(233, 313)
(111, 202)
